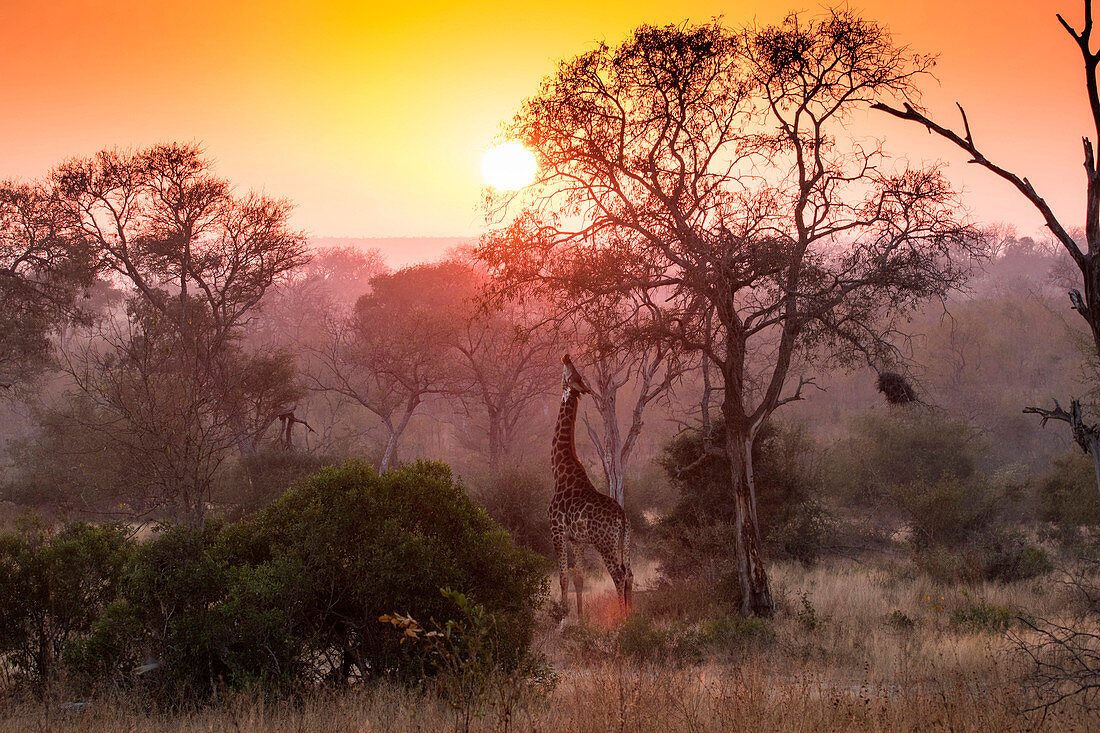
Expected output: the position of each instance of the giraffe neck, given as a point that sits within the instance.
(564, 451)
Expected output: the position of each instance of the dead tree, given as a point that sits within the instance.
(1087, 260)
(288, 420)
(1064, 652)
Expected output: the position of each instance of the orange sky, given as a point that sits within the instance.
(372, 117)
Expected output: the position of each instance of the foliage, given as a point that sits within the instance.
(53, 586)
(472, 674)
(1067, 493)
(1007, 556)
(995, 553)
(731, 632)
(290, 596)
(808, 616)
(793, 521)
(43, 271)
(516, 497)
(979, 616)
(901, 447)
(946, 512)
(647, 638)
(261, 477)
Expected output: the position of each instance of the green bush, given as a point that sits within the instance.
(994, 553)
(470, 673)
(809, 528)
(167, 611)
(517, 497)
(732, 632)
(694, 539)
(53, 586)
(946, 512)
(638, 638)
(260, 478)
(1067, 493)
(785, 473)
(977, 616)
(291, 595)
(902, 447)
(1007, 556)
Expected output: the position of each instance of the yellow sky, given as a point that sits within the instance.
(372, 117)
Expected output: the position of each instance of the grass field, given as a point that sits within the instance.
(853, 647)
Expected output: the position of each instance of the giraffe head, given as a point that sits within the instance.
(571, 379)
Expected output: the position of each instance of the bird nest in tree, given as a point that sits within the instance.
(896, 388)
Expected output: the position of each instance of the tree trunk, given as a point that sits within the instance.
(756, 599)
(494, 440)
(609, 445)
(387, 455)
(395, 433)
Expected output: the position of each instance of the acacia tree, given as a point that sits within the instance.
(707, 170)
(397, 348)
(626, 355)
(505, 362)
(43, 270)
(297, 316)
(169, 378)
(1087, 260)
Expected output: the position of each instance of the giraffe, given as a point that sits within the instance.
(579, 514)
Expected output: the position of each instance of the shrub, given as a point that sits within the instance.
(53, 585)
(695, 538)
(516, 497)
(993, 553)
(260, 478)
(168, 609)
(903, 446)
(808, 530)
(1067, 493)
(291, 595)
(731, 632)
(785, 473)
(639, 639)
(471, 674)
(947, 511)
(1007, 556)
(978, 616)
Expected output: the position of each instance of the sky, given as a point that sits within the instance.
(373, 117)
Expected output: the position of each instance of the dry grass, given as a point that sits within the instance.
(840, 660)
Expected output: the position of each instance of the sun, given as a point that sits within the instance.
(509, 166)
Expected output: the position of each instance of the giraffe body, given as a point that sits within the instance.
(579, 514)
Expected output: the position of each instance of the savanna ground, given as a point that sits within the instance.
(855, 645)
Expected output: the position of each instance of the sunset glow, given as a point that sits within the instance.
(509, 167)
(373, 119)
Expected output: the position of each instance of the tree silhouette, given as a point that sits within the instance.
(1087, 261)
(708, 173)
(397, 347)
(43, 270)
(168, 379)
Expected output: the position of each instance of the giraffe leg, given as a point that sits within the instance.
(561, 552)
(628, 587)
(620, 573)
(576, 566)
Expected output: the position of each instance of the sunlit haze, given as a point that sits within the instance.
(373, 118)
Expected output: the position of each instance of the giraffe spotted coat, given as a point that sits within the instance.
(579, 514)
